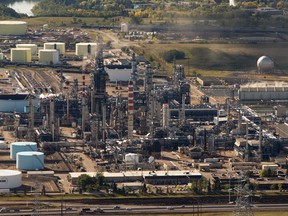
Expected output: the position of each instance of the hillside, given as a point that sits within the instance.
(7, 12)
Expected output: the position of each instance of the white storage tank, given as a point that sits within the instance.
(124, 27)
(49, 56)
(132, 158)
(33, 48)
(22, 55)
(13, 27)
(86, 49)
(30, 160)
(16, 147)
(55, 45)
(10, 179)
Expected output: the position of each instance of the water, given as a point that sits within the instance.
(22, 6)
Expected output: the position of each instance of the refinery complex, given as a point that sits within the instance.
(71, 105)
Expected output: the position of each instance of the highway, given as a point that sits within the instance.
(128, 209)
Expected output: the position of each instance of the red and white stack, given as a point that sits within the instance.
(130, 109)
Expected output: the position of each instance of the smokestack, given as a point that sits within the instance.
(103, 122)
(260, 141)
(52, 118)
(247, 145)
(130, 109)
(166, 115)
(205, 141)
(31, 120)
(182, 111)
(239, 122)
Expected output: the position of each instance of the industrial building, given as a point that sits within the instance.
(263, 92)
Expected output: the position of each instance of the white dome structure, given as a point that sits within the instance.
(13, 27)
(10, 179)
(265, 64)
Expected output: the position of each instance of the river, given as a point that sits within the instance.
(21, 6)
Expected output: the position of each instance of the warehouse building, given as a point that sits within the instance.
(172, 177)
(264, 92)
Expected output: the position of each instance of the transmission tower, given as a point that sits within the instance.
(243, 207)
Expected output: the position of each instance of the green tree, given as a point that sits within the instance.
(170, 55)
(84, 180)
(280, 186)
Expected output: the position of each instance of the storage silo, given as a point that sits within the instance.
(33, 48)
(10, 179)
(9, 27)
(30, 160)
(55, 45)
(21, 55)
(124, 27)
(132, 158)
(86, 49)
(16, 147)
(49, 56)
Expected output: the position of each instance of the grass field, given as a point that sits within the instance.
(266, 213)
(220, 60)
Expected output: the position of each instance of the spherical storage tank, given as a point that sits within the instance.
(48, 56)
(132, 158)
(21, 55)
(13, 27)
(85, 49)
(265, 64)
(30, 160)
(16, 147)
(33, 47)
(55, 45)
(10, 179)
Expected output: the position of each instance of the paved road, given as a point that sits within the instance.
(109, 210)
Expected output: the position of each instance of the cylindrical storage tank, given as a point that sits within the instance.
(16, 147)
(1, 56)
(10, 179)
(33, 48)
(132, 158)
(13, 27)
(49, 56)
(124, 27)
(86, 49)
(55, 45)
(30, 160)
(21, 55)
